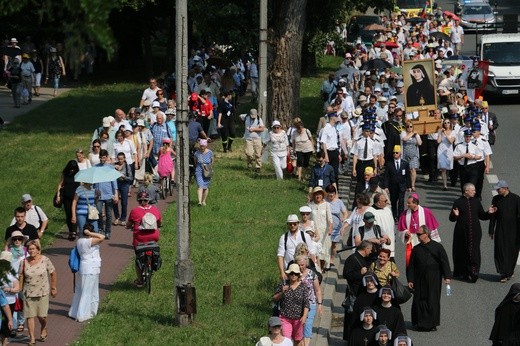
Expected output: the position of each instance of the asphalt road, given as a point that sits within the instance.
(467, 316)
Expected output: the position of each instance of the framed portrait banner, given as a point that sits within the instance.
(419, 83)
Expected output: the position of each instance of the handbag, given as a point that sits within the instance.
(402, 293)
(350, 299)
(207, 170)
(290, 167)
(93, 213)
(18, 304)
(56, 204)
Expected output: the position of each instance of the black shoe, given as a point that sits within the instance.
(473, 278)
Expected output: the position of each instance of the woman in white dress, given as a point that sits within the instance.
(322, 217)
(445, 139)
(86, 296)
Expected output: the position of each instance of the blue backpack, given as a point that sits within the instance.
(74, 260)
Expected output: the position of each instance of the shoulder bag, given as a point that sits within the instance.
(207, 170)
(402, 293)
(93, 213)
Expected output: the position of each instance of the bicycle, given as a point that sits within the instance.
(148, 259)
(165, 187)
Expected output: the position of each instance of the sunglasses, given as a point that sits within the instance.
(97, 146)
(277, 127)
(292, 223)
(305, 213)
(293, 273)
(420, 234)
(17, 239)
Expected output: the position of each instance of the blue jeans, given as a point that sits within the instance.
(123, 188)
(307, 328)
(105, 225)
(81, 220)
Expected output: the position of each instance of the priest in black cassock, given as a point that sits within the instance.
(504, 228)
(429, 264)
(467, 211)
(507, 319)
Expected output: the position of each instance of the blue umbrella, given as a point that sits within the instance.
(97, 174)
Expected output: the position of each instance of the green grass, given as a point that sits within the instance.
(234, 238)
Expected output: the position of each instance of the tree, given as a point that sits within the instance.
(284, 59)
(290, 20)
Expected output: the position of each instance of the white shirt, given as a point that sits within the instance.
(359, 148)
(385, 220)
(484, 147)
(150, 94)
(473, 149)
(287, 251)
(456, 34)
(329, 137)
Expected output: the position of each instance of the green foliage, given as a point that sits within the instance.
(318, 43)
(231, 23)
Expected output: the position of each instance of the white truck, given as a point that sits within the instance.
(503, 53)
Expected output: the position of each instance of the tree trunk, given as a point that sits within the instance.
(284, 60)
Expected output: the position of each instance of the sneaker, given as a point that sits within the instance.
(116, 222)
(122, 223)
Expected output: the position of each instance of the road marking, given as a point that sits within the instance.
(492, 178)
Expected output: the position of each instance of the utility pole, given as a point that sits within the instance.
(262, 63)
(184, 295)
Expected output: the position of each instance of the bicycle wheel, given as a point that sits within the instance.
(170, 189)
(162, 188)
(149, 274)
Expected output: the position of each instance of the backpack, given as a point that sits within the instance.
(287, 237)
(74, 260)
(377, 232)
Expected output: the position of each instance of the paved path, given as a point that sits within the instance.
(116, 253)
(7, 110)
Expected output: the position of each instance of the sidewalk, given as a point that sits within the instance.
(328, 330)
(7, 110)
(116, 253)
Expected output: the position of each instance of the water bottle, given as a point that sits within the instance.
(448, 290)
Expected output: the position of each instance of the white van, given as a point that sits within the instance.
(503, 53)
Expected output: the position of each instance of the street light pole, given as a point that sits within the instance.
(185, 303)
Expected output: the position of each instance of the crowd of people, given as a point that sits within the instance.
(24, 69)
(366, 131)
(367, 125)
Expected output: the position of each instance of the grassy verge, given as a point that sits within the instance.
(234, 238)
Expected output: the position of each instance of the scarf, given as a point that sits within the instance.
(17, 251)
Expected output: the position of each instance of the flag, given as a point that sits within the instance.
(483, 66)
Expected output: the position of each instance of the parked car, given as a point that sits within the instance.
(477, 16)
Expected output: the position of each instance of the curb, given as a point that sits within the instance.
(328, 328)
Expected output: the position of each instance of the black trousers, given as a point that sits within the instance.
(227, 131)
(334, 162)
(397, 201)
(481, 168)
(468, 174)
(432, 159)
